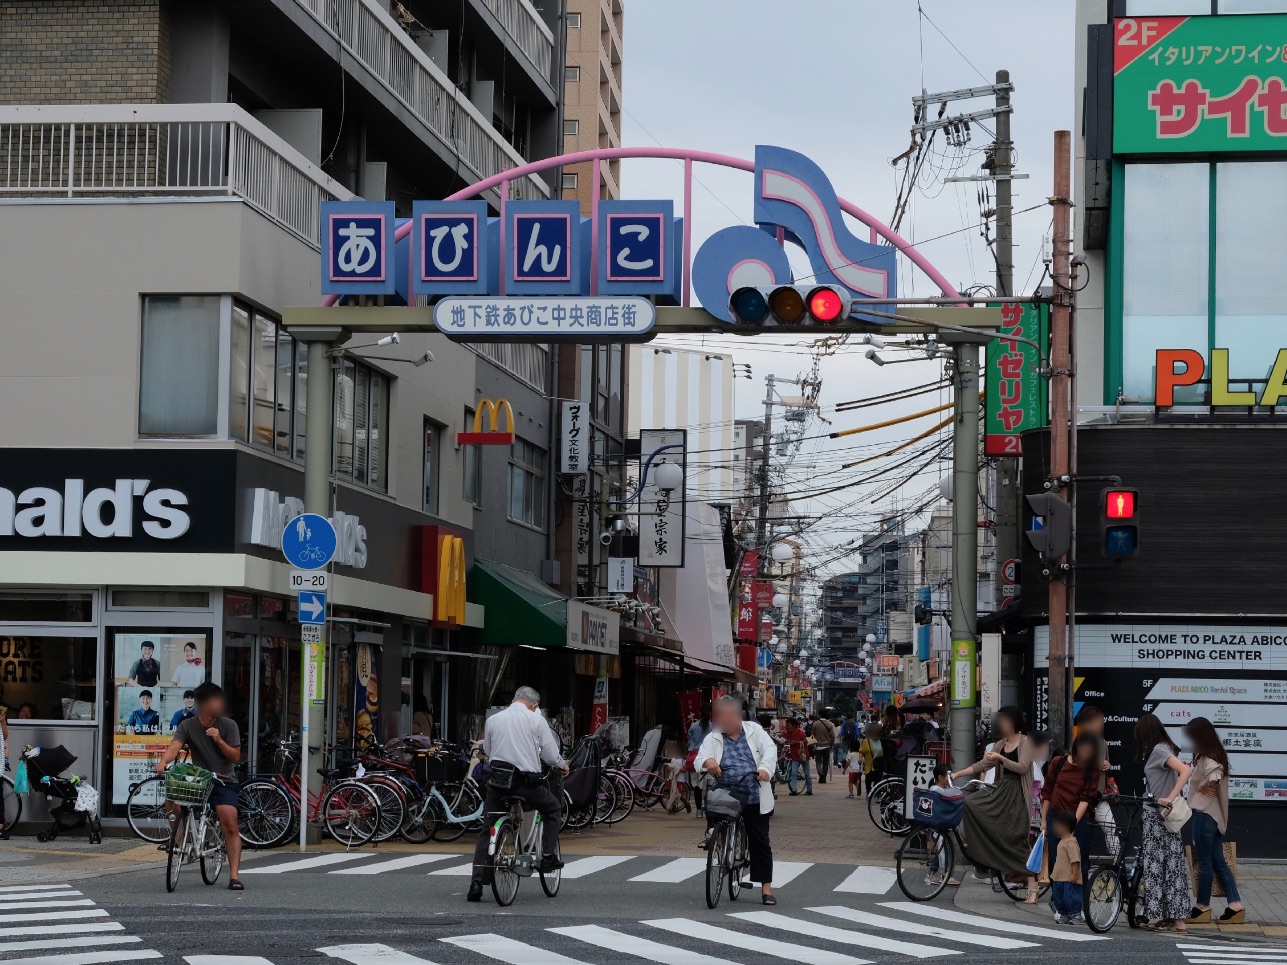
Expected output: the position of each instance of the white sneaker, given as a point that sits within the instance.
(701, 812)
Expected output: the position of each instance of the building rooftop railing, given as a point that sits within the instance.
(159, 150)
(366, 30)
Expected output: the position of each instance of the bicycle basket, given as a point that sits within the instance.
(721, 804)
(188, 784)
(941, 811)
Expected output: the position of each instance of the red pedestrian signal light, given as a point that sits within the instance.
(1119, 503)
(789, 306)
(1119, 529)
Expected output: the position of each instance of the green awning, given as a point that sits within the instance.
(520, 608)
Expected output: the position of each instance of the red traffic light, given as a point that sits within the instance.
(825, 304)
(1119, 503)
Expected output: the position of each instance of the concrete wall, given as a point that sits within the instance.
(84, 52)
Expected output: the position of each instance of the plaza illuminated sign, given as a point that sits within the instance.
(1179, 368)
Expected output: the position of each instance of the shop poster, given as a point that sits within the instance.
(366, 692)
(154, 675)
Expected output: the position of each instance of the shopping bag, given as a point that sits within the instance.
(1230, 855)
(21, 785)
(1037, 857)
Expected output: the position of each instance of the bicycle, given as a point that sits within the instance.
(515, 855)
(728, 854)
(885, 805)
(11, 802)
(145, 810)
(187, 789)
(1117, 881)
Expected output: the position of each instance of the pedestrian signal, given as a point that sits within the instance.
(1119, 524)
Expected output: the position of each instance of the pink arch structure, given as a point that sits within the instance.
(599, 155)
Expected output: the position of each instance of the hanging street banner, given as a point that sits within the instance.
(662, 518)
(1014, 391)
(1196, 84)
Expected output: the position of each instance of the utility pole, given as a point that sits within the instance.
(762, 531)
(1061, 429)
(965, 551)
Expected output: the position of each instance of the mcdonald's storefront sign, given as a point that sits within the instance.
(443, 571)
(493, 436)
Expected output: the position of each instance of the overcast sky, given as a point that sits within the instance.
(834, 79)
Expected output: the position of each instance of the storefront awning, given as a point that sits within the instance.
(521, 610)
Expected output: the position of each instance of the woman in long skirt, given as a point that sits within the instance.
(1166, 872)
(998, 819)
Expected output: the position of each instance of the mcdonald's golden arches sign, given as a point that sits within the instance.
(443, 574)
(492, 436)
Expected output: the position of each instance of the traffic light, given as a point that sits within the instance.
(792, 306)
(1053, 538)
(1119, 524)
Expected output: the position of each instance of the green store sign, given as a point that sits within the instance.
(1015, 396)
(1199, 84)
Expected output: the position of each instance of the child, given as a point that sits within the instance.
(857, 764)
(942, 784)
(1065, 888)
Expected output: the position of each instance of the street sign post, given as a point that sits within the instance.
(318, 580)
(309, 541)
(312, 607)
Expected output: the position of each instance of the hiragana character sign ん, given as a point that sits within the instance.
(1179, 110)
(1236, 106)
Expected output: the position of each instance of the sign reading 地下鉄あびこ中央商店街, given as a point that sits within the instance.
(1235, 676)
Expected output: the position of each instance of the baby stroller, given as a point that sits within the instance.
(77, 801)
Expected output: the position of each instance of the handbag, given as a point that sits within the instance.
(1230, 856)
(1036, 857)
(1177, 815)
(504, 776)
(21, 784)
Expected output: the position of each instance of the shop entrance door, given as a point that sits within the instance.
(261, 677)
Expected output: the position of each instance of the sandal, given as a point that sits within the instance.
(1032, 897)
(234, 884)
(768, 900)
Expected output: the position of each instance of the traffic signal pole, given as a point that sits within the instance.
(1062, 429)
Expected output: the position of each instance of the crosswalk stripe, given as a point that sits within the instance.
(56, 915)
(907, 927)
(225, 960)
(459, 869)
(785, 872)
(70, 903)
(87, 958)
(78, 942)
(991, 924)
(844, 936)
(1191, 951)
(50, 892)
(372, 955)
(673, 872)
(394, 864)
(868, 880)
(1245, 955)
(633, 945)
(80, 929)
(588, 866)
(508, 950)
(11, 888)
(305, 864)
(754, 943)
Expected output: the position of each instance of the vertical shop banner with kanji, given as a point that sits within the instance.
(1195, 84)
(662, 516)
(1014, 391)
(748, 620)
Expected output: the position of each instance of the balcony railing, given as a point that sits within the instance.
(521, 21)
(97, 151)
(366, 31)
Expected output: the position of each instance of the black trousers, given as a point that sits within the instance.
(757, 842)
(536, 797)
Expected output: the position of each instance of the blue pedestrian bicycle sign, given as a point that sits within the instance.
(308, 541)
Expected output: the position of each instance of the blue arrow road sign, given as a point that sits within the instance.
(312, 606)
(308, 541)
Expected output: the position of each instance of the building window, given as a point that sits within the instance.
(472, 488)
(571, 127)
(572, 75)
(267, 384)
(527, 484)
(361, 425)
(434, 435)
(179, 366)
(569, 182)
(574, 21)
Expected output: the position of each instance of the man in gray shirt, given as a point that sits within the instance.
(519, 738)
(214, 742)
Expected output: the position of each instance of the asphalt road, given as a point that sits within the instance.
(400, 909)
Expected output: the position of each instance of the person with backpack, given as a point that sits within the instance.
(848, 735)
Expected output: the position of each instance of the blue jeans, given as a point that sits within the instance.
(838, 755)
(793, 774)
(1208, 855)
(1083, 832)
(1066, 898)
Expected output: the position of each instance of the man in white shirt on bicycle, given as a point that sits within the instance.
(519, 736)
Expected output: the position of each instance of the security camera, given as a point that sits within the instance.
(871, 356)
(606, 537)
(393, 339)
(423, 360)
(873, 340)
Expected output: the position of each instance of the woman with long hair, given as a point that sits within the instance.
(998, 818)
(1166, 873)
(1209, 799)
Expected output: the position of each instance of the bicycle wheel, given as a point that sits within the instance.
(393, 806)
(351, 813)
(265, 814)
(887, 809)
(421, 822)
(924, 863)
(12, 805)
(605, 801)
(462, 800)
(793, 780)
(715, 864)
(625, 797)
(679, 800)
(1135, 916)
(178, 850)
(550, 881)
(145, 810)
(739, 860)
(213, 849)
(1102, 900)
(504, 861)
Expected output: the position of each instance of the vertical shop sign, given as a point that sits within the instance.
(1015, 392)
(574, 439)
(747, 622)
(366, 691)
(599, 712)
(581, 500)
(964, 660)
(662, 516)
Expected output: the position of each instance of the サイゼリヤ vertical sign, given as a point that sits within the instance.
(1015, 392)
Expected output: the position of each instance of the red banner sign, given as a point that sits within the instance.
(750, 562)
(762, 594)
(747, 622)
(690, 709)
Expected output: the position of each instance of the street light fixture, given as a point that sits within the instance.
(782, 553)
(780, 600)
